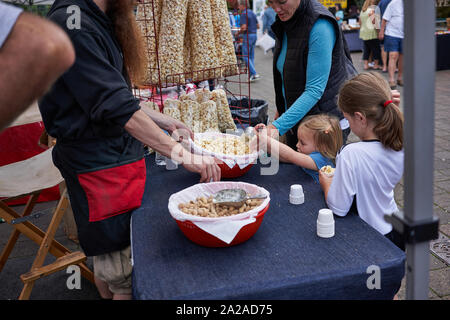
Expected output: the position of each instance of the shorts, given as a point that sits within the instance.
(115, 268)
(393, 44)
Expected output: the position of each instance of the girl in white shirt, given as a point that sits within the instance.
(368, 171)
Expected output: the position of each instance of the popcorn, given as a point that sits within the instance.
(203, 48)
(223, 110)
(173, 112)
(202, 95)
(209, 116)
(229, 145)
(223, 38)
(171, 41)
(190, 115)
(328, 170)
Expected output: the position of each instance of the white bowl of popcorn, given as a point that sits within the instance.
(237, 153)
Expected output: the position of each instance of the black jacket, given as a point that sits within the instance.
(298, 29)
(93, 98)
(86, 110)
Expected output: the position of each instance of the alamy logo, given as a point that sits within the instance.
(74, 280)
(74, 19)
(374, 281)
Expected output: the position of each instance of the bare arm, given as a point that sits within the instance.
(286, 153)
(175, 127)
(143, 128)
(34, 55)
(382, 28)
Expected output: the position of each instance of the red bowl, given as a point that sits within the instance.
(227, 172)
(200, 237)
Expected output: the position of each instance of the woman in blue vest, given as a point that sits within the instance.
(311, 62)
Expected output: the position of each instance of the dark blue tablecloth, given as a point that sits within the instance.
(285, 259)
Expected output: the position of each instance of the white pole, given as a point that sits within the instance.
(419, 65)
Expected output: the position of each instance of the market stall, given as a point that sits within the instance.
(285, 259)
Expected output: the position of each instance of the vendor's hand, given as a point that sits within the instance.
(396, 97)
(204, 165)
(179, 131)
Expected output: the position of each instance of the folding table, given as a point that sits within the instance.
(285, 259)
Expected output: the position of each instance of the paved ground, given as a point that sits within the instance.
(55, 287)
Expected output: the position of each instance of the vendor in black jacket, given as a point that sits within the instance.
(100, 131)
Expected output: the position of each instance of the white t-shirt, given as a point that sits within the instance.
(370, 172)
(8, 17)
(394, 19)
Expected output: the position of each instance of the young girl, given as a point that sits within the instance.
(319, 140)
(367, 171)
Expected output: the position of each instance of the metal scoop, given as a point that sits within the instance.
(234, 197)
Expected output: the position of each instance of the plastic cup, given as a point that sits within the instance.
(170, 164)
(296, 195)
(325, 223)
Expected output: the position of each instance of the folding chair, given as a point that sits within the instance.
(29, 178)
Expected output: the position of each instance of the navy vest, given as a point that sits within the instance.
(298, 29)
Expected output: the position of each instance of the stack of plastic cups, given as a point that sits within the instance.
(325, 223)
(296, 196)
(171, 164)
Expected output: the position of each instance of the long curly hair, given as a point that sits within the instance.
(131, 40)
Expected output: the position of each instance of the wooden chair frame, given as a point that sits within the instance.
(45, 240)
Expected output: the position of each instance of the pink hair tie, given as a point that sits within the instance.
(387, 103)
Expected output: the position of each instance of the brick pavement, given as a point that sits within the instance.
(54, 286)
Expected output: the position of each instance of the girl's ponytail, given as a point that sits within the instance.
(369, 93)
(390, 127)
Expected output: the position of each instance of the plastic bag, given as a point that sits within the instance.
(266, 42)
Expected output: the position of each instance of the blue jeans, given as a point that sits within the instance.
(248, 51)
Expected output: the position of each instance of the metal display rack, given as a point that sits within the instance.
(236, 86)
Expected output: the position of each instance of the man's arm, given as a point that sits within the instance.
(143, 128)
(33, 56)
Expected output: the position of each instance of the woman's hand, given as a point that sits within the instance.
(277, 115)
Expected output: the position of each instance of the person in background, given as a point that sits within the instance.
(369, 34)
(339, 14)
(353, 12)
(368, 171)
(311, 62)
(391, 31)
(249, 26)
(34, 52)
(382, 5)
(268, 19)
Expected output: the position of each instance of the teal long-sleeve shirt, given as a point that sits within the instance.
(321, 43)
